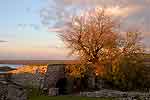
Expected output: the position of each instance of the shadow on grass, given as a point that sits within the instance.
(67, 98)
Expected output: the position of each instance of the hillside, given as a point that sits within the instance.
(30, 69)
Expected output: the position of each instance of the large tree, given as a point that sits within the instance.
(96, 38)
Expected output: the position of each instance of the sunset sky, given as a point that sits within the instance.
(27, 27)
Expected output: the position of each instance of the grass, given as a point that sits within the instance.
(67, 98)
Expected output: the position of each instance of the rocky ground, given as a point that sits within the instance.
(12, 91)
(118, 94)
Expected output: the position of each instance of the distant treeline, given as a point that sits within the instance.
(43, 62)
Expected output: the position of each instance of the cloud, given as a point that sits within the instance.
(121, 11)
(59, 11)
(26, 26)
(55, 29)
(133, 12)
(147, 34)
(2, 41)
(147, 50)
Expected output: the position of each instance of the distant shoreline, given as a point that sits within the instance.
(30, 62)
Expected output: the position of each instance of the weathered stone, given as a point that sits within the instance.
(99, 84)
(26, 79)
(91, 82)
(12, 91)
(3, 91)
(118, 94)
(53, 74)
(16, 92)
(53, 92)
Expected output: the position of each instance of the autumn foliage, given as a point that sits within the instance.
(97, 39)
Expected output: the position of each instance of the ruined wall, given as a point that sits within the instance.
(53, 74)
(16, 92)
(28, 79)
(12, 91)
(56, 72)
(3, 91)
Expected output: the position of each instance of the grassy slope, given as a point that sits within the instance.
(67, 98)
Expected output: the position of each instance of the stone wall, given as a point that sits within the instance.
(117, 94)
(12, 91)
(28, 79)
(16, 92)
(3, 91)
(53, 74)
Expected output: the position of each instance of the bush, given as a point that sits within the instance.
(127, 75)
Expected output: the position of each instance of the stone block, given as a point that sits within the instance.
(53, 92)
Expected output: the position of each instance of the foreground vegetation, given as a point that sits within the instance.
(67, 98)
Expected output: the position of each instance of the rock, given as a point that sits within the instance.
(3, 91)
(118, 94)
(53, 92)
(12, 91)
(28, 79)
(16, 93)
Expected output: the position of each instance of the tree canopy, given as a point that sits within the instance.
(96, 38)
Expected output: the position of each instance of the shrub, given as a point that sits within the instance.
(127, 75)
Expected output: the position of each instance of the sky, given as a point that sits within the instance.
(27, 27)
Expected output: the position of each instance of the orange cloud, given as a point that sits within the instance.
(122, 11)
